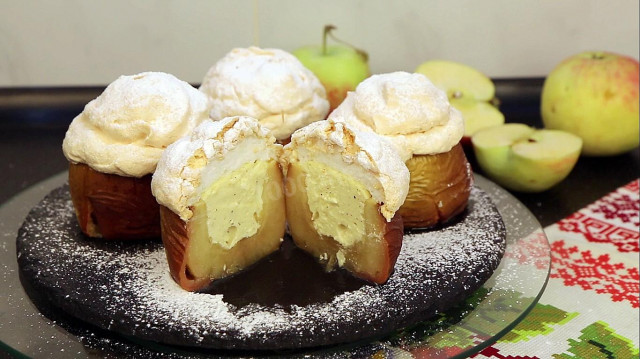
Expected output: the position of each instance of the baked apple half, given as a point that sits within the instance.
(354, 236)
(335, 199)
(238, 220)
(222, 202)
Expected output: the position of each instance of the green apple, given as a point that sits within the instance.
(340, 68)
(595, 96)
(469, 90)
(525, 159)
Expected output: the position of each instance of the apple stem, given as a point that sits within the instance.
(327, 33)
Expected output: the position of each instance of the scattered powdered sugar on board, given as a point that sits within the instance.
(126, 287)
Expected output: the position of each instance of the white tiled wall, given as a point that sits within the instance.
(87, 42)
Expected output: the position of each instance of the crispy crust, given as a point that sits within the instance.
(111, 206)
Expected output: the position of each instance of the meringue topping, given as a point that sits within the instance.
(270, 85)
(214, 149)
(405, 108)
(365, 156)
(125, 130)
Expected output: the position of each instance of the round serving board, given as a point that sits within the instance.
(285, 301)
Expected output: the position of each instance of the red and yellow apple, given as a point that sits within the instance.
(340, 68)
(525, 159)
(469, 90)
(594, 95)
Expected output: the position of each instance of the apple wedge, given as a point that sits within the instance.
(458, 80)
(525, 159)
(469, 90)
(477, 116)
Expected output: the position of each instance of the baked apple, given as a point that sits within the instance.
(222, 202)
(439, 188)
(417, 118)
(208, 246)
(342, 191)
(112, 206)
(113, 147)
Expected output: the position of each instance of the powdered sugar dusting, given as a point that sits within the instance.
(126, 287)
(364, 155)
(270, 85)
(408, 109)
(125, 129)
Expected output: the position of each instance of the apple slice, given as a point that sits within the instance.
(525, 159)
(469, 90)
(458, 80)
(477, 115)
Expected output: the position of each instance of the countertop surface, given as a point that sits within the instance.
(33, 122)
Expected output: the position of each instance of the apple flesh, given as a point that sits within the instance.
(469, 90)
(525, 159)
(477, 115)
(594, 95)
(195, 260)
(372, 259)
(339, 68)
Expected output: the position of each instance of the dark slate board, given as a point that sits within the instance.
(284, 302)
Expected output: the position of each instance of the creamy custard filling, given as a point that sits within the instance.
(336, 202)
(233, 204)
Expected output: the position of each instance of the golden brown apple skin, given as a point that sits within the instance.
(111, 206)
(439, 188)
(178, 239)
(175, 238)
(372, 259)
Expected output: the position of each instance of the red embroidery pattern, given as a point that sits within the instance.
(492, 352)
(633, 186)
(581, 268)
(595, 230)
(618, 206)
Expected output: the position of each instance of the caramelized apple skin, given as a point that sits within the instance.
(175, 238)
(371, 259)
(112, 206)
(439, 188)
(194, 262)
